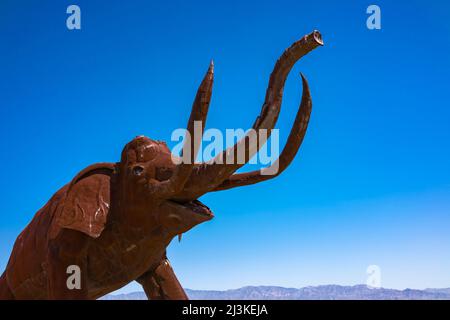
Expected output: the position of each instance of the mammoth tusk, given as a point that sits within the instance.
(212, 174)
(291, 148)
(199, 113)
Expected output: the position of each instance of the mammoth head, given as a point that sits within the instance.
(144, 174)
(150, 185)
(144, 165)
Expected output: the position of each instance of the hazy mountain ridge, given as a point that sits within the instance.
(324, 292)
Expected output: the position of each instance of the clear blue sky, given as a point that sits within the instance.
(371, 184)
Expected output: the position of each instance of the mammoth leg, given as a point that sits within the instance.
(67, 266)
(5, 292)
(162, 283)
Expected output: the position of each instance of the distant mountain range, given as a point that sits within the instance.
(326, 292)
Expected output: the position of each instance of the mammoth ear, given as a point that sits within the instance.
(87, 200)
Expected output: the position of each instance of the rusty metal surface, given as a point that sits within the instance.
(115, 220)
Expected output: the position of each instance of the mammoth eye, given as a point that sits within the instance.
(137, 170)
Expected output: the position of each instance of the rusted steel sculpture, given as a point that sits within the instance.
(115, 220)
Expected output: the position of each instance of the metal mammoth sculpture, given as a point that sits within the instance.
(114, 221)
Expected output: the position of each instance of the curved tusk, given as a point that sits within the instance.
(291, 148)
(212, 174)
(191, 145)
